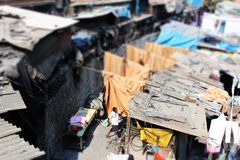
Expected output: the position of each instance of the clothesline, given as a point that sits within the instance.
(110, 73)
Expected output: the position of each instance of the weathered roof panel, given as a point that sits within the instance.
(24, 28)
(13, 147)
(38, 20)
(10, 99)
(7, 129)
(26, 3)
(96, 2)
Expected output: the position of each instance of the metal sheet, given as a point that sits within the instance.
(13, 147)
(38, 20)
(96, 2)
(26, 3)
(7, 129)
(198, 117)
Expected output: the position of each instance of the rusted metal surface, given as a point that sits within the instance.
(26, 3)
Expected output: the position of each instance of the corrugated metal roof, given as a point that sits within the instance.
(7, 129)
(24, 28)
(12, 146)
(38, 20)
(10, 99)
(96, 2)
(25, 3)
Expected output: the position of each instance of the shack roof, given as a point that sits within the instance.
(9, 98)
(11, 145)
(24, 28)
(96, 2)
(26, 3)
(14, 147)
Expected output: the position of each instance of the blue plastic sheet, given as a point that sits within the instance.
(195, 3)
(123, 12)
(176, 39)
(82, 39)
(229, 47)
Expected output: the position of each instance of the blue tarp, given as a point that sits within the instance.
(123, 12)
(176, 39)
(229, 47)
(82, 39)
(195, 3)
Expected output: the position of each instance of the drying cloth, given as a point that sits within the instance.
(216, 132)
(117, 65)
(163, 50)
(119, 90)
(152, 61)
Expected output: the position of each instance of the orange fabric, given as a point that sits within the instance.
(127, 77)
(163, 50)
(136, 71)
(152, 61)
(114, 64)
(119, 90)
(136, 54)
(117, 65)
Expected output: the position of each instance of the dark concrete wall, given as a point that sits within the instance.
(66, 102)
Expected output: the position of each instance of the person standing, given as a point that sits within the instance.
(113, 118)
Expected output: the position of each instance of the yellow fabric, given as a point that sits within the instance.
(163, 50)
(156, 136)
(119, 90)
(152, 61)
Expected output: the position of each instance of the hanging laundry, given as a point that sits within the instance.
(215, 135)
(118, 65)
(163, 50)
(152, 61)
(119, 90)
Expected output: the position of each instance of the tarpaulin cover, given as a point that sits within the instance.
(152, 61)
(176, 39)
(121, 80)
(195, 3)
(81, 39)
(229, 47)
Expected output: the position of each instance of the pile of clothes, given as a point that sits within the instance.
(77, 121)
